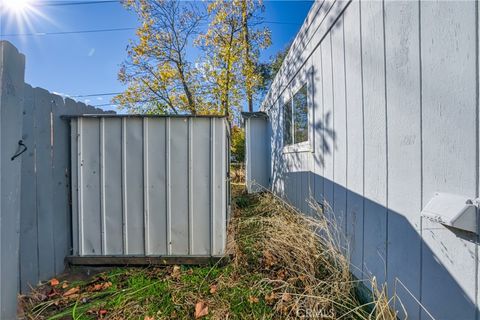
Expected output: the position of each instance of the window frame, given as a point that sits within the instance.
(294, 88)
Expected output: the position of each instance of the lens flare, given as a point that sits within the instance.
(21, 16)
(16, 6)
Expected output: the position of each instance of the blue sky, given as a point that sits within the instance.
(87, 63)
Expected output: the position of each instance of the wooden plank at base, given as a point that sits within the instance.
(145, 261)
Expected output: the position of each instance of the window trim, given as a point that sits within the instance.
(304, 146)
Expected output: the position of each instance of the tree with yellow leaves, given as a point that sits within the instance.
(233, 42)
(253, 41)
(160, 77)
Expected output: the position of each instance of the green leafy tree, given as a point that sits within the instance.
(268, 70)
(238, 143)
(254, 39)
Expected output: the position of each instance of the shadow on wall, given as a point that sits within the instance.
(374, 255)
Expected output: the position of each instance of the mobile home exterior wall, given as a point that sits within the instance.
(392, 118)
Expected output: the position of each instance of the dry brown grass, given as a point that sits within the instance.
(303, 260)
(237, 173)
(284, 265)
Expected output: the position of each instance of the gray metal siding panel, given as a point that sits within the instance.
(74, 181)
(133, 196)
(179, 186)
(156, 188)
(91, 242)
(201, 186)
(112, 217)
(161, 186)
(219, 176)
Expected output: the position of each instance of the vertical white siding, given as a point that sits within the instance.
(404, 149)
(355, 154)
(395, 95)
(319, 132)
(328, 116)
(449, 133)
(339, 126)
(375, 223)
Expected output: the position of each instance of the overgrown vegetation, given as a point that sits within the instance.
(238, 144)
(280, 268)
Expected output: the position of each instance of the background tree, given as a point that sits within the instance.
(268, 70)
(238, 144)
(162, 77)
(222, 46)
(159, 76)
(254, 39)
(232, 44)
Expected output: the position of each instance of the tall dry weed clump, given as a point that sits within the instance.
(302, 259)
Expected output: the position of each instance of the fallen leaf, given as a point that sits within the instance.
(71, 291)
(95, 287)
(73, 296)
(270, 298)
(281, 274)
(102, 312)
(253, 299)
(99, 286)
(269, 259)
(213, 288)
(65, 285)
(54, 282)
(176, 272)
(148, 318)
(201, 310)
(286, 296)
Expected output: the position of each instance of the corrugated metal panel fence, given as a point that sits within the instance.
(149, 185)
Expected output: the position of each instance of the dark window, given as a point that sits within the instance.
(295, 113)
(300, 117)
